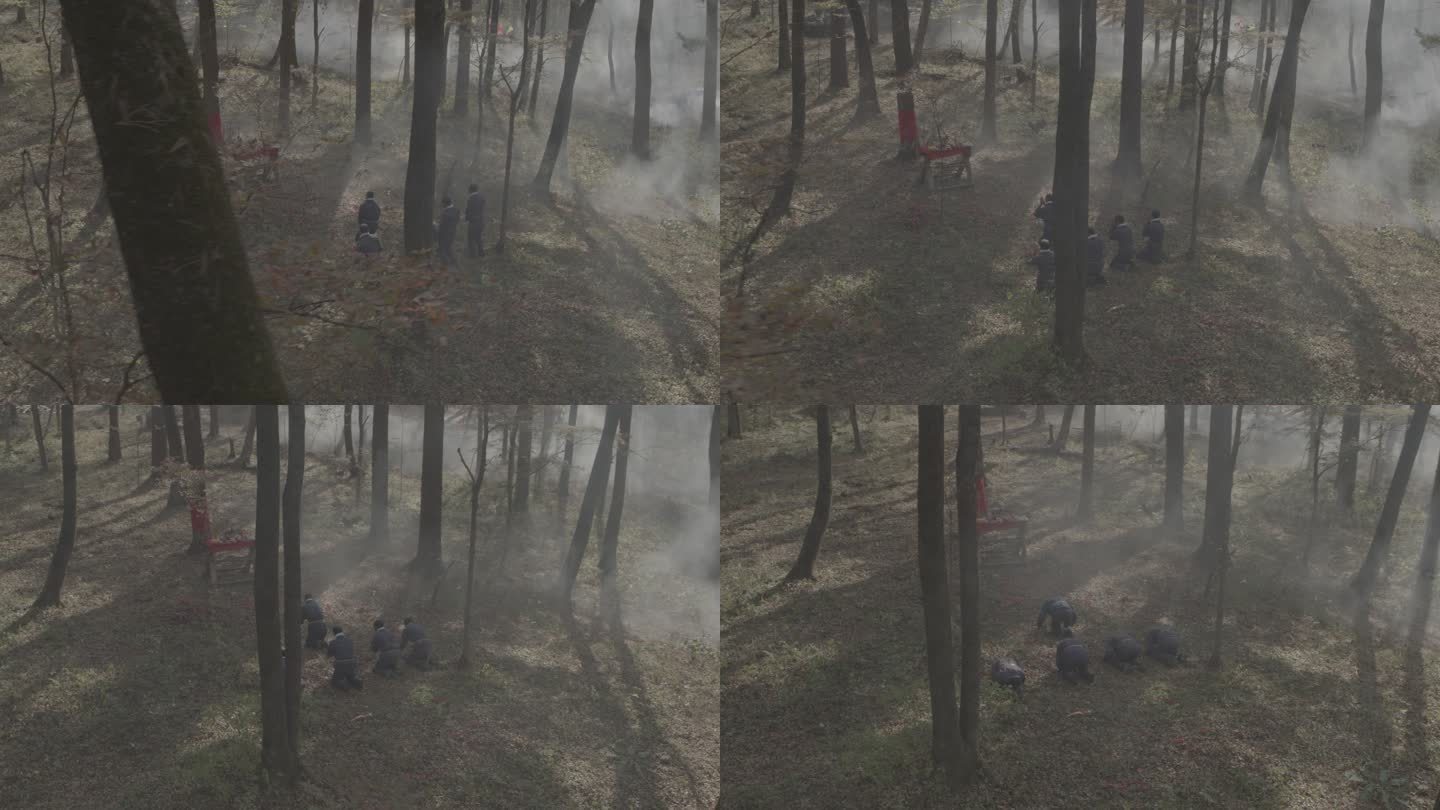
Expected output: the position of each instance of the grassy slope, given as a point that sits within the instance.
(140, 691)
(875, 291)
(590, 301)
(832, 672)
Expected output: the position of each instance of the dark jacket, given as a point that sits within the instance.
(1044, 262)
(1125, 238)
(1094, 250)
(368, 243)
(412, 634)
(449, 221)
(310, 611)
(342, 649)
(475, 207)
(370, 212)
(384, 639)
(1154, 233)
(1046, 214)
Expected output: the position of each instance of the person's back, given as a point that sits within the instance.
(342, 649)
(1044, 262)
(413, 633)
(420, 650)
(449, 222)
(314, 620)
(368, 242)
(1046, 214)
(475, 207)
(1154, 233)
(1124, 238)
(386, 645)
(370, 211)
(1095, 258)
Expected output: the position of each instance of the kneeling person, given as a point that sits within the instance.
(1044, 262)
(347, 666)
(314, 620)
(387, 649)
(419, 656)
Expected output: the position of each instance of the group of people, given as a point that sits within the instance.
(367, 239)
(388, 646)
(1153, 251)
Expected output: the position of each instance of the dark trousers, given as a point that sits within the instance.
(447, 250)
(475, 239)
(346, 676)
(315, 634)
(388, 663)
(419, 656)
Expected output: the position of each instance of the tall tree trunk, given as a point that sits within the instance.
(709, 126)
(1087, 467)
(1190, 56)
(1063, 436)
(715, 432)
(1174, 468)
(525, 417)
(214, 424)
(1281, 98)
(782, 11)
(539, 62)
(900, 36)
(611, 542)
(1374, 70)
(867, 101)
(1017, 18)
(1214, 535)
(839, 63)
(210, 62)
(580, 12)
(112, 448)
(462, 60)
(1349, 460)
(1424, 593)
(1174, 35)
(315, 54)
(405, 59)
(290, 525)
(920, 31)
(1205, 91)
(195, 303)
(855, 430)
(935, 592)
(1224, 63)
(640, 123)
(599, 475)
(380, 475)
(276, 755)
(249, 444)
(562, 487)
(1072, 175)
(804, 567)
(65, 544)
(732, 426)
(1363, 585)
(158, 442)
(987, 107)
(432, 489)
(968, 465)
(477, 479)
(510, 133)
(363, 31)
(420, 171)
(1260, 44)
(195, 458)
(288, 60)
(347, 433)
(1127, 159)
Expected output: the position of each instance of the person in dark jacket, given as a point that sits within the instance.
(314, 620)
(386, 646)
(1154, 233)
(1124, 238)
(1094, 259)
(1046, 214)
(347, 666)
(449, 223)
(1044, 262)
(369, 211)
(413, 633)
(368, 241)
(475, 223)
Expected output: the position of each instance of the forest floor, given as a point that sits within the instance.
(832, 672)
(141, 690)
(605, 290)
(874, 290)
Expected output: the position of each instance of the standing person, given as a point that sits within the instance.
(413, 633)
(1154, 233)
(347, 669)
(369, 212)
(475, 223)
(314, 619)
(368, 242)
(449, 223)
(1124, 238)
(1044, 262)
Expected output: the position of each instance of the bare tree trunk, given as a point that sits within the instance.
(1087, 467)
(477, 479)
(987, 107)
(428, 553)
(709, 126)
(210, 63)
(599, 474)
(1127, 160)
(611, 542)
(804, 567)
(640, 123)
(421, 169)
(839, 64)
(580, 12)
(562, 487)
(1363, 585)
(867, 103)
(524, 418)
(1349, 460)
(1219, 476)
(900, 36)
(112, 449)
(1174, 468)
(1281, 100)
(65, 544)
(1064, 436)
(363, 35)
(515, 97)
(288, 60)
(920, 31)
(539, 61)
(462, 60)
(945, 740)
(276, 755)
(1374, 70)
(195, 458)
(195, 302)
(380, 475)
(855, 430)
(249, 443)
(968, 465)
(290, 522)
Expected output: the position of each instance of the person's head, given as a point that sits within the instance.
(337, 629)
(379, 623)
(369, 195)
(474, 188)
(1049, 197)
(371, 228)
(408, 621)
(1155, 213)
(1044, 244)
(1092, 232)
(445, 201)
(1119, 219)
(308, 597)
